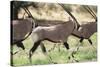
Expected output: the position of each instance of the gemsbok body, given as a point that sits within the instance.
(86, 31)
(20, 31)
(55, 33)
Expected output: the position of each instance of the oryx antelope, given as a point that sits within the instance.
(86, 31)
(20, 30)
(55, 33)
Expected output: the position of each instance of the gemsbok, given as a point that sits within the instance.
(86, 31)
(55, 33)
(20, 30)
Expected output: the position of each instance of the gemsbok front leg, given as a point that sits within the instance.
(90, 41)
(20, 44)
(32, 50)
(45, 52)
(66, 45)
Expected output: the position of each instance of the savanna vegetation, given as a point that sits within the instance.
(52, 11)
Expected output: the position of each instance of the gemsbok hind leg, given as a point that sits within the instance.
(45, 52)
(66, 45)
(32, 50)
(81, 40)
(91, 44)
(71, 56)
(19, 44)
(90, 41)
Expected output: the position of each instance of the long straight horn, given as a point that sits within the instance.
(93, 13)
(90, 11)
(77, 24)
(29, 13)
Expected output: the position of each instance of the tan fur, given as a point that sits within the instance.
(57, 33)
(86, 30)
(21, 28)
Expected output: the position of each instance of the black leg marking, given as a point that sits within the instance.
(66, 45)
(36, 44)
(43, 48)
(81, 40)
(44, 51)
(20, 44)
(90, 41)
